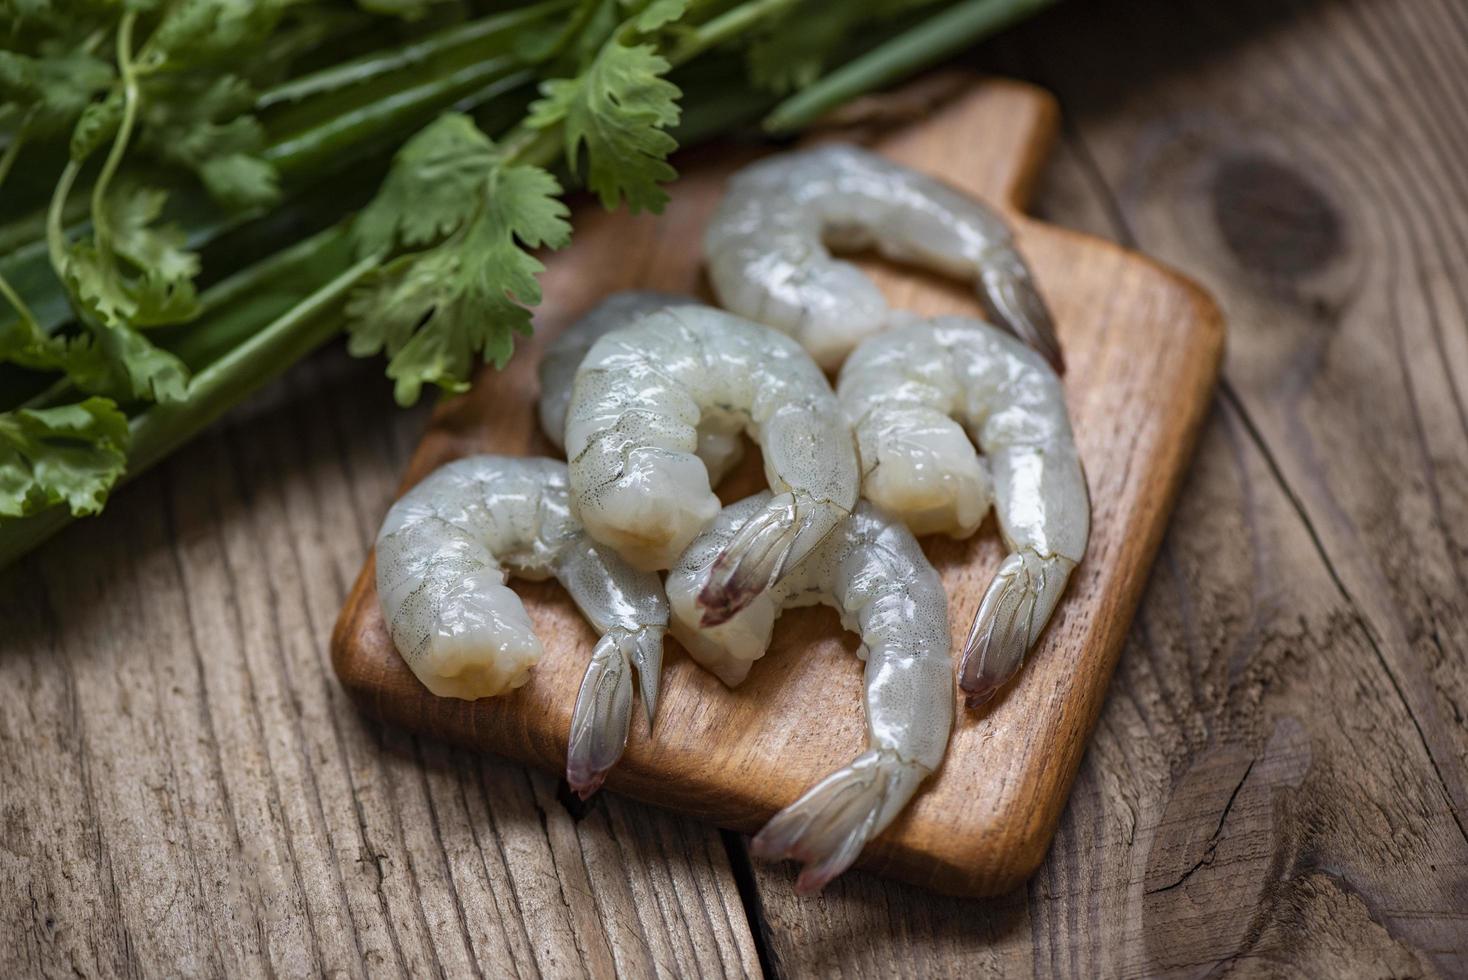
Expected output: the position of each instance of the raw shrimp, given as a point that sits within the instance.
(443, 554)
(720, 447)
(640, 397)
(902, 391)
(874, 574)
(766, 248)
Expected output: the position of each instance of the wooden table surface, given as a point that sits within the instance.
(1279, 782)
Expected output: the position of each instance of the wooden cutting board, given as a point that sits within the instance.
(1143, 347)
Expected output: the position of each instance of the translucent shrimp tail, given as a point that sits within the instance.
(1011, 616)
(827, 827)
(766, 547)
(603, 713)
(1007, 290)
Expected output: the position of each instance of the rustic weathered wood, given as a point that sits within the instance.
(1273, 786)
(1142, 348)
(185, 789)
(1310, 475)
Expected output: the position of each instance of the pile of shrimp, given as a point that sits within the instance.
(651, 396)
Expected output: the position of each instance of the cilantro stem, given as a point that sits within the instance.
(163, 428)
(932, 40)
(315, 147)
(13, 298)
(7, 160)
(537, 147)
(730, 24)
(100, 228)
(55, 218)
(484, 37)
(272, 349)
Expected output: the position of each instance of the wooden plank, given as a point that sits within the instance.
(185, 789)
(1272, 787)
(1142, 348)
(1221, 662)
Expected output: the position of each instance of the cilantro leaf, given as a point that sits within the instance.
(433, 177)
(659, 14)
(198, 32)
(159, 289)
(54, 87)
(133, 364)
(96, 125)
(204, 124)
(619, 109)
(433, 311)
(71, 454)
(240, 180)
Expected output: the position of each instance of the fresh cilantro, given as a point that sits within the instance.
(433, 311)
(619, 110)
(424, 196)
(70, 454)
(794, 50)
(659, 14)
(203, 124)
(53, 87)
(145, 277)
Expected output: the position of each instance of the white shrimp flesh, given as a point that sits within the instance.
(641, 397)
(720, 442)
(919, 398)
(767, 248)
(873, 573)
(443, 555)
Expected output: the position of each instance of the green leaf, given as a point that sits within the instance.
(131, 211)
(138, 367)
(429, 193)
(195, 32)
(796, 55)
(71, 454)
(53, 88)
(96, 126)
(659, 14)
(619, 109)
(240, 181)
(159, 289)
(204, 123)
(434, 311)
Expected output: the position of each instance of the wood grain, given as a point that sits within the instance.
(186, 791)
(1270, 787)
(127, 848)
(1142, 347)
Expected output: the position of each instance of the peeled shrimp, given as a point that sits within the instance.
(906, 392)
(641, 396)
(443, 554)
(768, 258)
(719, 443)
(874, 574)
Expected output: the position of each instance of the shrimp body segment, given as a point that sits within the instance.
(443, 555)
(720, 445)
(910, 394)
(641, 398)
(768, 258)
(873, 573)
